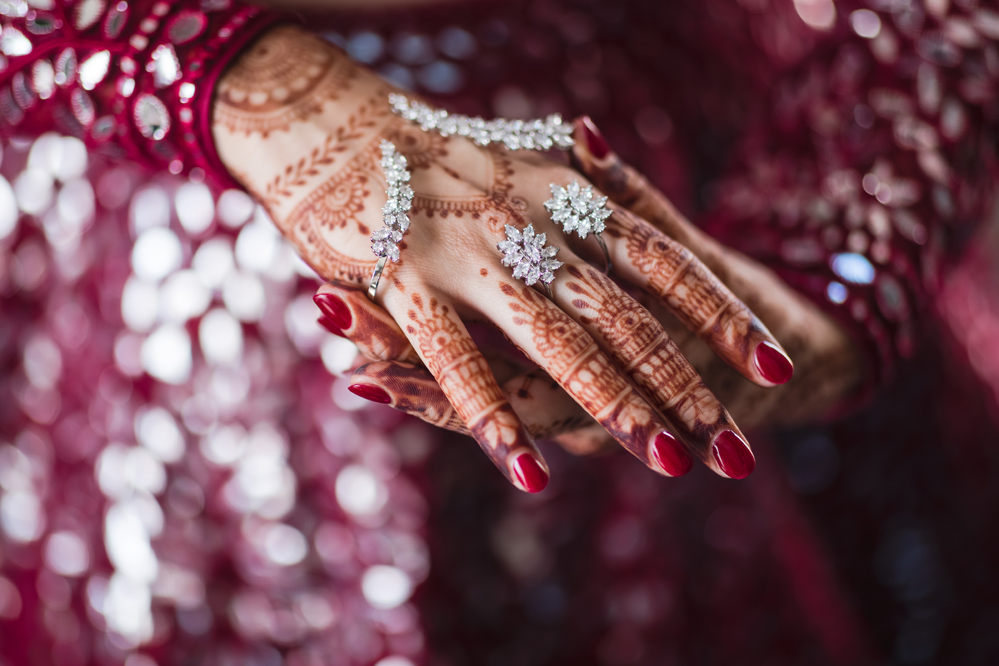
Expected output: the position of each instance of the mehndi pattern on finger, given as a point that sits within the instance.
(537, 134)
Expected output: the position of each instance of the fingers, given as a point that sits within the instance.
(450, 354)
(643, 349)
(758, 356)
(564, 350)
(408, 388)
(668, 270)
(350, 314)
(628, 188)
(542, 406)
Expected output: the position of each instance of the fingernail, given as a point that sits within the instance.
(334, 308)
(325, 322)
(369, 392)
(529, 473)
(671, 455)
(733, 455)
(772, 363)
(595, 141)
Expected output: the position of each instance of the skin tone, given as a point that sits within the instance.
(299, 125)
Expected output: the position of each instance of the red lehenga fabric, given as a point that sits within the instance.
(184, 478)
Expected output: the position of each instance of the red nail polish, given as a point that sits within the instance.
(595, 141)
(772, 363)
(325, 322)
(529, 473)
(671, 455)
(733, 455)
(334, 308)
(369, 392)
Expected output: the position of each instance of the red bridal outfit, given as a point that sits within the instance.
(184, 478)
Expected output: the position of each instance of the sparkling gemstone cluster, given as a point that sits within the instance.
(525, 251)
(395, 212)
(552, 132)
(577, 209)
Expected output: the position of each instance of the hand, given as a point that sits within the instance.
(828, 367)
(300, 126)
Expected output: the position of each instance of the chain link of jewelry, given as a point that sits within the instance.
(531, 260)
(552, 132)
(395, 212)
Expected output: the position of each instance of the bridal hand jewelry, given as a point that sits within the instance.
(525, 251)
(577, 209)
(552, 132)
(395, 212)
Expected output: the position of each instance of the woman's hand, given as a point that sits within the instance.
(828, 367)
(300, 126)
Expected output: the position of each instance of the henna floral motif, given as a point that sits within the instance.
(341, 200)
(279, 81)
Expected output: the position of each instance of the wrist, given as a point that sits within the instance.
(289, 111)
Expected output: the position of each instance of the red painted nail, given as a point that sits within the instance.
(733, 455)
(529, 473)
(772, 363)
(369, 392)
(325, 322)
(671, 455)
(595, 141)
(334, 308)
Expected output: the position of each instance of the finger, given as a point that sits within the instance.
(628, 188)
(668, 270)
(349, 313)
(450, 354)
(642, 348)
(632, 191)
(541, 404)
(408, 388)
(564, 350)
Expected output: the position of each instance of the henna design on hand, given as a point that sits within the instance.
(641, 346)
(537, 400)
(690, 290)
(827, 364)
(464, 376)
(413, 390)
(567, 352)
(282, 78)
(358, 127)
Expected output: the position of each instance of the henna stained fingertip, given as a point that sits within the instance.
(733, 455)
(670, 455)
(529, 473)
(772, 363)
